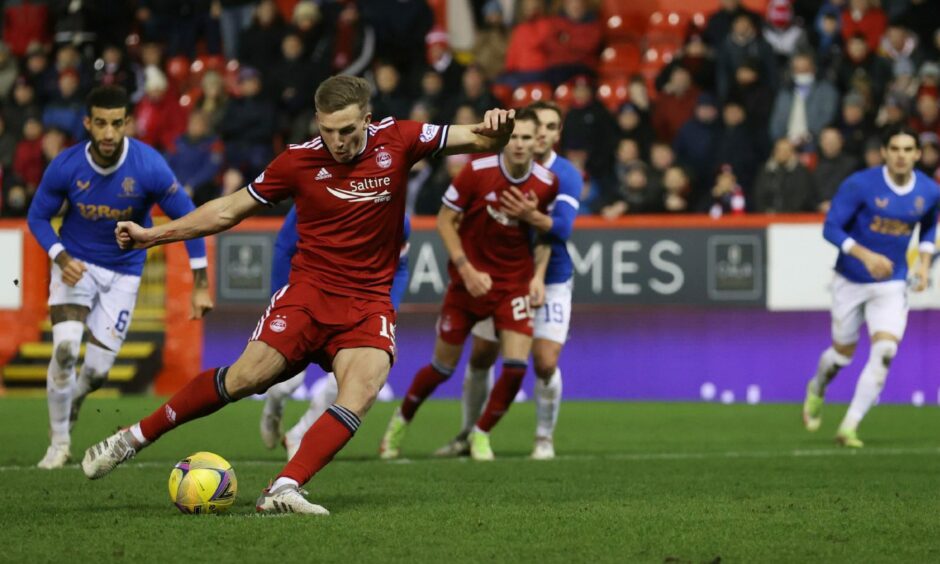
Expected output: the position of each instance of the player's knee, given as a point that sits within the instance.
(883, 352)
(240, 383)
(66, 355)
(483, 355)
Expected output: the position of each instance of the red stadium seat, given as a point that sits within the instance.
(528, 93)
(671, 26)
(503, 93)
(613, 93)
(620, 59)
(564, 95)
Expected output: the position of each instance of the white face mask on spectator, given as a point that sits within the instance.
(803, 78)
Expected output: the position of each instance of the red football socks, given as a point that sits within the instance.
(203, 395)
(505, 390)
(320, 444)
(425, 382)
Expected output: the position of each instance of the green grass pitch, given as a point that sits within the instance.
(634, 482)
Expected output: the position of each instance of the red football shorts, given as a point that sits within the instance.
(309, 325)
(509, 308)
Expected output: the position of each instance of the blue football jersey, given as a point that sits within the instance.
(98, 198)
(872, 211)
(564, 210)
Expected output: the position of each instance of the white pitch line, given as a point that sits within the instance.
(622, 456)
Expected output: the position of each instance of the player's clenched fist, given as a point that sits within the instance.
(129, 235)
(72, 270)
(477, 283)
(879, 266)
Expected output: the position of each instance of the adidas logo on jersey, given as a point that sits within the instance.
(491, 197)
(323, 174)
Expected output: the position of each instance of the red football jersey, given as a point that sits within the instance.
(493, 242)
(350, 216)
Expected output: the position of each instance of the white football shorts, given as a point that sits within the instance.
(552, 320)
(881, 305)
(109, 295)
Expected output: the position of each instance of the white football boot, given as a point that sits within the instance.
(288, 498)
(100, 459)
(271, 422)
(544, 449)
(56, 456)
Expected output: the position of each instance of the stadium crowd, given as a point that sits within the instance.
(727, 111)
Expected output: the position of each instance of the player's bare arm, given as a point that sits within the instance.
(72, 269)
(210, 218)
(878, 265)
(537, 285)
(201, 300)
(525, 207)
(488, 136)
(477, 283)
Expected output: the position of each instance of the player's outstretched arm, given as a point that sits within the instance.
(477, 283)
(488, 136)
(210, 218)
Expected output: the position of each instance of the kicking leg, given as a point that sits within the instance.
(254, 371)
(274, 400)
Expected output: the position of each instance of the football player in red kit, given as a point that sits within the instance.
(494, 272)
(349, 186)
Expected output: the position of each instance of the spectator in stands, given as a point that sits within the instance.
(54, 141)
(112, 69)
(159, 118)
(573, 41)
(929, 162)
(638, 94)
(929, 76)
(635, 124)
(872, 153)
(9, 72)
(862, 16)
(432, 96)
(834, 166)
(196, 158)
(7, 148)
(784, 35)
(27, 160)
(922, 18)
(588, 128)
(894, 111)
(260, 44)
(626, 157)
(637, 194)
(234, 18)
(44, 79)
(232, 181)
(212, 100)
(784, 185)
(675, 104)
(22, 106)
(863, 71)
(354, 44)
(473, 93)
(525, 57)
(827, 40)
(293, 80)
(313, 25)
(492, 41)
(68, 58)
(900, 47)
(662, 157)
(466, 115)
(695, 146)
(441, 60)
(720, 23)
(400, 28)
(805, 105)
(67, 110)
(696, 57)
(676, 190)
(248, 126)
(926, 118)
(727, 196)
(757, 98)
(736, 145)
(389, 98)
(855, 126)
(16, 197)
(179, 25)
(743, 43)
